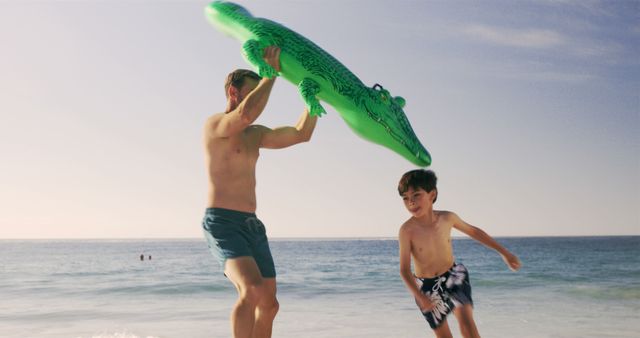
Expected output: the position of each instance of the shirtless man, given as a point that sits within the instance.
(439, 284)
(234, 234)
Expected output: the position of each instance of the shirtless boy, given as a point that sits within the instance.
(438, 284)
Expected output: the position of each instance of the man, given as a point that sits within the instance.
(234, 233)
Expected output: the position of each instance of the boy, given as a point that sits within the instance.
(439, 284)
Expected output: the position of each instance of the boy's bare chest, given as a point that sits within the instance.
(426, 240)
(431, 251)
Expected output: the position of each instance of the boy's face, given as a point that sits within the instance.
(417, 201)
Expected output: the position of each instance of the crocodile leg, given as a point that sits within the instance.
(254, 52)
(308, 89)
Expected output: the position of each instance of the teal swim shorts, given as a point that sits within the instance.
(232, 234)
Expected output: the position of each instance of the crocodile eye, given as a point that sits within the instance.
(400, 101)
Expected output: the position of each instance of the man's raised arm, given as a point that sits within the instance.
(250, 107)
(283, 137)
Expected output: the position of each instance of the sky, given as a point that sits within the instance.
(530, 110)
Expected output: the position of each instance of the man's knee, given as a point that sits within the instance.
(270, 306)
(253, 293)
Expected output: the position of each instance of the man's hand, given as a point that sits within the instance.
(272, 57)
(512, 261)
(424, 303)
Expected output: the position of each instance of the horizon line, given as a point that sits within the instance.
(328, 238)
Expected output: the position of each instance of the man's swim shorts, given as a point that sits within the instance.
(446, 291)
(232, 234)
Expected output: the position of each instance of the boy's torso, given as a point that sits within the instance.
(431, 248)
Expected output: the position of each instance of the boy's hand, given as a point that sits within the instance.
(512, 261)
(272, 57)
(424, 303)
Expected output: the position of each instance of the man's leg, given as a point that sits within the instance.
(266, 310)
(245, 275)
(464, 314)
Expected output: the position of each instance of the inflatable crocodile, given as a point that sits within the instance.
(371, 112)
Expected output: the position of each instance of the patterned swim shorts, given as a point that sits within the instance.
(446, 291)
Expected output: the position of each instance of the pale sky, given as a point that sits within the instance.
(530, 109)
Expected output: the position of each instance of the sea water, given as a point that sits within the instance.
(567, 287)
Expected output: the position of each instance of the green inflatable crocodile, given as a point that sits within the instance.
(370, 112)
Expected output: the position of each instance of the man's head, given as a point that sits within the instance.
(239, 84)
(419, 179)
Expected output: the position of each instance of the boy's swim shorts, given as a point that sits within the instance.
(446, 291)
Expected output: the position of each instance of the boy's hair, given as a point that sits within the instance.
(237, 77)
(419, 178)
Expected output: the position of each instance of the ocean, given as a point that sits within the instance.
(567, 287)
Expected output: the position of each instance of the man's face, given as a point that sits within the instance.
(418, 201)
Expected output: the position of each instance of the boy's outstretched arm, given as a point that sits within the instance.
(404, 243)
(479, 235)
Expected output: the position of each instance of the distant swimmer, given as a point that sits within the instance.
(141, 257)
(149, 257)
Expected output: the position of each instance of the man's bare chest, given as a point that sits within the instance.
(237, 149)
